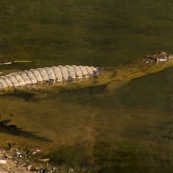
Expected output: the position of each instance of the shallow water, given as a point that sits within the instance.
(130, 131)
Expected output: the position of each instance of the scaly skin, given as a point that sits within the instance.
(115, 77)
(112, 77)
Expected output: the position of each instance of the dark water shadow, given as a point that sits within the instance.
(72, 95)
(26, 96)
(14, 130)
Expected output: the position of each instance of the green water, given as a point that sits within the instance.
(130, 131)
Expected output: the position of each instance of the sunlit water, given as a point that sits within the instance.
(130, 131)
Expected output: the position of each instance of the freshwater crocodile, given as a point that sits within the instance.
(73, 77)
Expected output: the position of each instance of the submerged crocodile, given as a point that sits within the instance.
(72, 77)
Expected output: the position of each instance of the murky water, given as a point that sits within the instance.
(130, 131)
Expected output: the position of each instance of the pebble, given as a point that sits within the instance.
(2, 161)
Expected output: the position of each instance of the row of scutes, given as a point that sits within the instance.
(55, 73)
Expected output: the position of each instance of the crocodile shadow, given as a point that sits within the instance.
(14, 130)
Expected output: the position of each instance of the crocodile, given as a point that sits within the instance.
(74, 77)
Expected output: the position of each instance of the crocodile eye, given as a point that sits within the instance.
(153, 59)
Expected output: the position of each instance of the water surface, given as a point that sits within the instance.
(130, 131)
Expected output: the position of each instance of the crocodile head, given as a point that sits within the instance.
(161, 57)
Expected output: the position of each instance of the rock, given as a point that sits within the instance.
(3, 161)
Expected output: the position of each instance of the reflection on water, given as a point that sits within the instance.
(130, 131)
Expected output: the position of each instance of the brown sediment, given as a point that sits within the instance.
(19, 160)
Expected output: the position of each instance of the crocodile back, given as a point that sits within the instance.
(47, 74)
